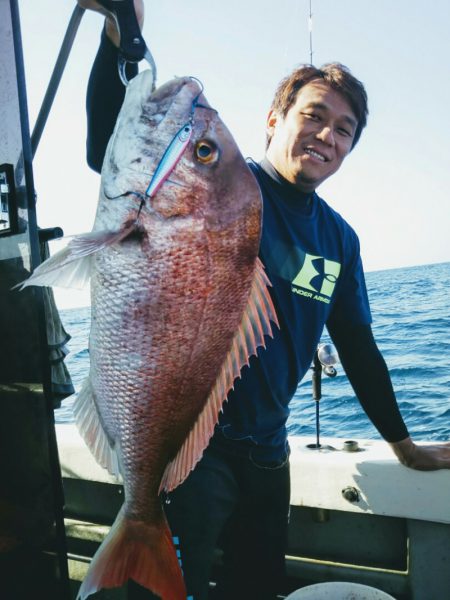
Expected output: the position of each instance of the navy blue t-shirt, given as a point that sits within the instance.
(312, 258)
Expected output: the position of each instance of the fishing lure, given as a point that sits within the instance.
(171, 156)
(174, 150)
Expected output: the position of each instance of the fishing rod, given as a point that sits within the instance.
(325, 357)
(56, 76)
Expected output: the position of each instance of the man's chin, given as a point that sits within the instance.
(307, 184)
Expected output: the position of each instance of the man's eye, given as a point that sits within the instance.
(345, 132)
(312, 116)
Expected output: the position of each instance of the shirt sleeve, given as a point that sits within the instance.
(105, 94)
(352, 302)
(369, 376)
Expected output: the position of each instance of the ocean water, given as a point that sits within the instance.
(411, 323)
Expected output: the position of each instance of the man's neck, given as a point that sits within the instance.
(271, 170)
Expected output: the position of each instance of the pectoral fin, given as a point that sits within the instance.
(71, 266)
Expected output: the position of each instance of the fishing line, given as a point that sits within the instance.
(195, 100)
(310, 27)
(127, 193)
(141, 197)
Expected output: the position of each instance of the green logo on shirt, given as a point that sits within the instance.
(317, 278)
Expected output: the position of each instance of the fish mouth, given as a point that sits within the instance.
(170, 89)
(181, 95)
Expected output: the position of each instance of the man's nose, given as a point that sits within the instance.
(326, 135)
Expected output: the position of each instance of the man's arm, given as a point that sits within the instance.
(105, 91)
(369, 377)
(104, 99)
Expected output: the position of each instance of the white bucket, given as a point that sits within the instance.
(338, 590)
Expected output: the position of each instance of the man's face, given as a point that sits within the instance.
(311, 141)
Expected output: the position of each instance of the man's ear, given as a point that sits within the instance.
(271, 122)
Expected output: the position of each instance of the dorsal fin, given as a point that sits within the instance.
(249, 337)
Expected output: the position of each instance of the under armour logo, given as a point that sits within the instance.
(318, 274)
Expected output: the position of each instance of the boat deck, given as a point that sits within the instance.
(355, 516)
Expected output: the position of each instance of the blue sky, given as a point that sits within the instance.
(394, 187)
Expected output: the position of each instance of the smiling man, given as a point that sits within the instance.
(238, 494)
(308, 143)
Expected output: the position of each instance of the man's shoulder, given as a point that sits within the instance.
(333, 215)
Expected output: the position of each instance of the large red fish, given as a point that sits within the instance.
(179, 303)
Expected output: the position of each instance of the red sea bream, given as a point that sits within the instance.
(179, 303)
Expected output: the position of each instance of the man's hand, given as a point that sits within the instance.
(105, 7)
(423, 458)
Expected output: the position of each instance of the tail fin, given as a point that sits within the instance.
(139, 551)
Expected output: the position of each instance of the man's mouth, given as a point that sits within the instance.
(316, 154)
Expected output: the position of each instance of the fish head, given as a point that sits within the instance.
(211, 185)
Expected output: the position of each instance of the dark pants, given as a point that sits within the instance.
(241, 505)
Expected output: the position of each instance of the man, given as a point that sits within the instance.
(238, 495)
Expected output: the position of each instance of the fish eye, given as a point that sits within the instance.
(206, 151)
